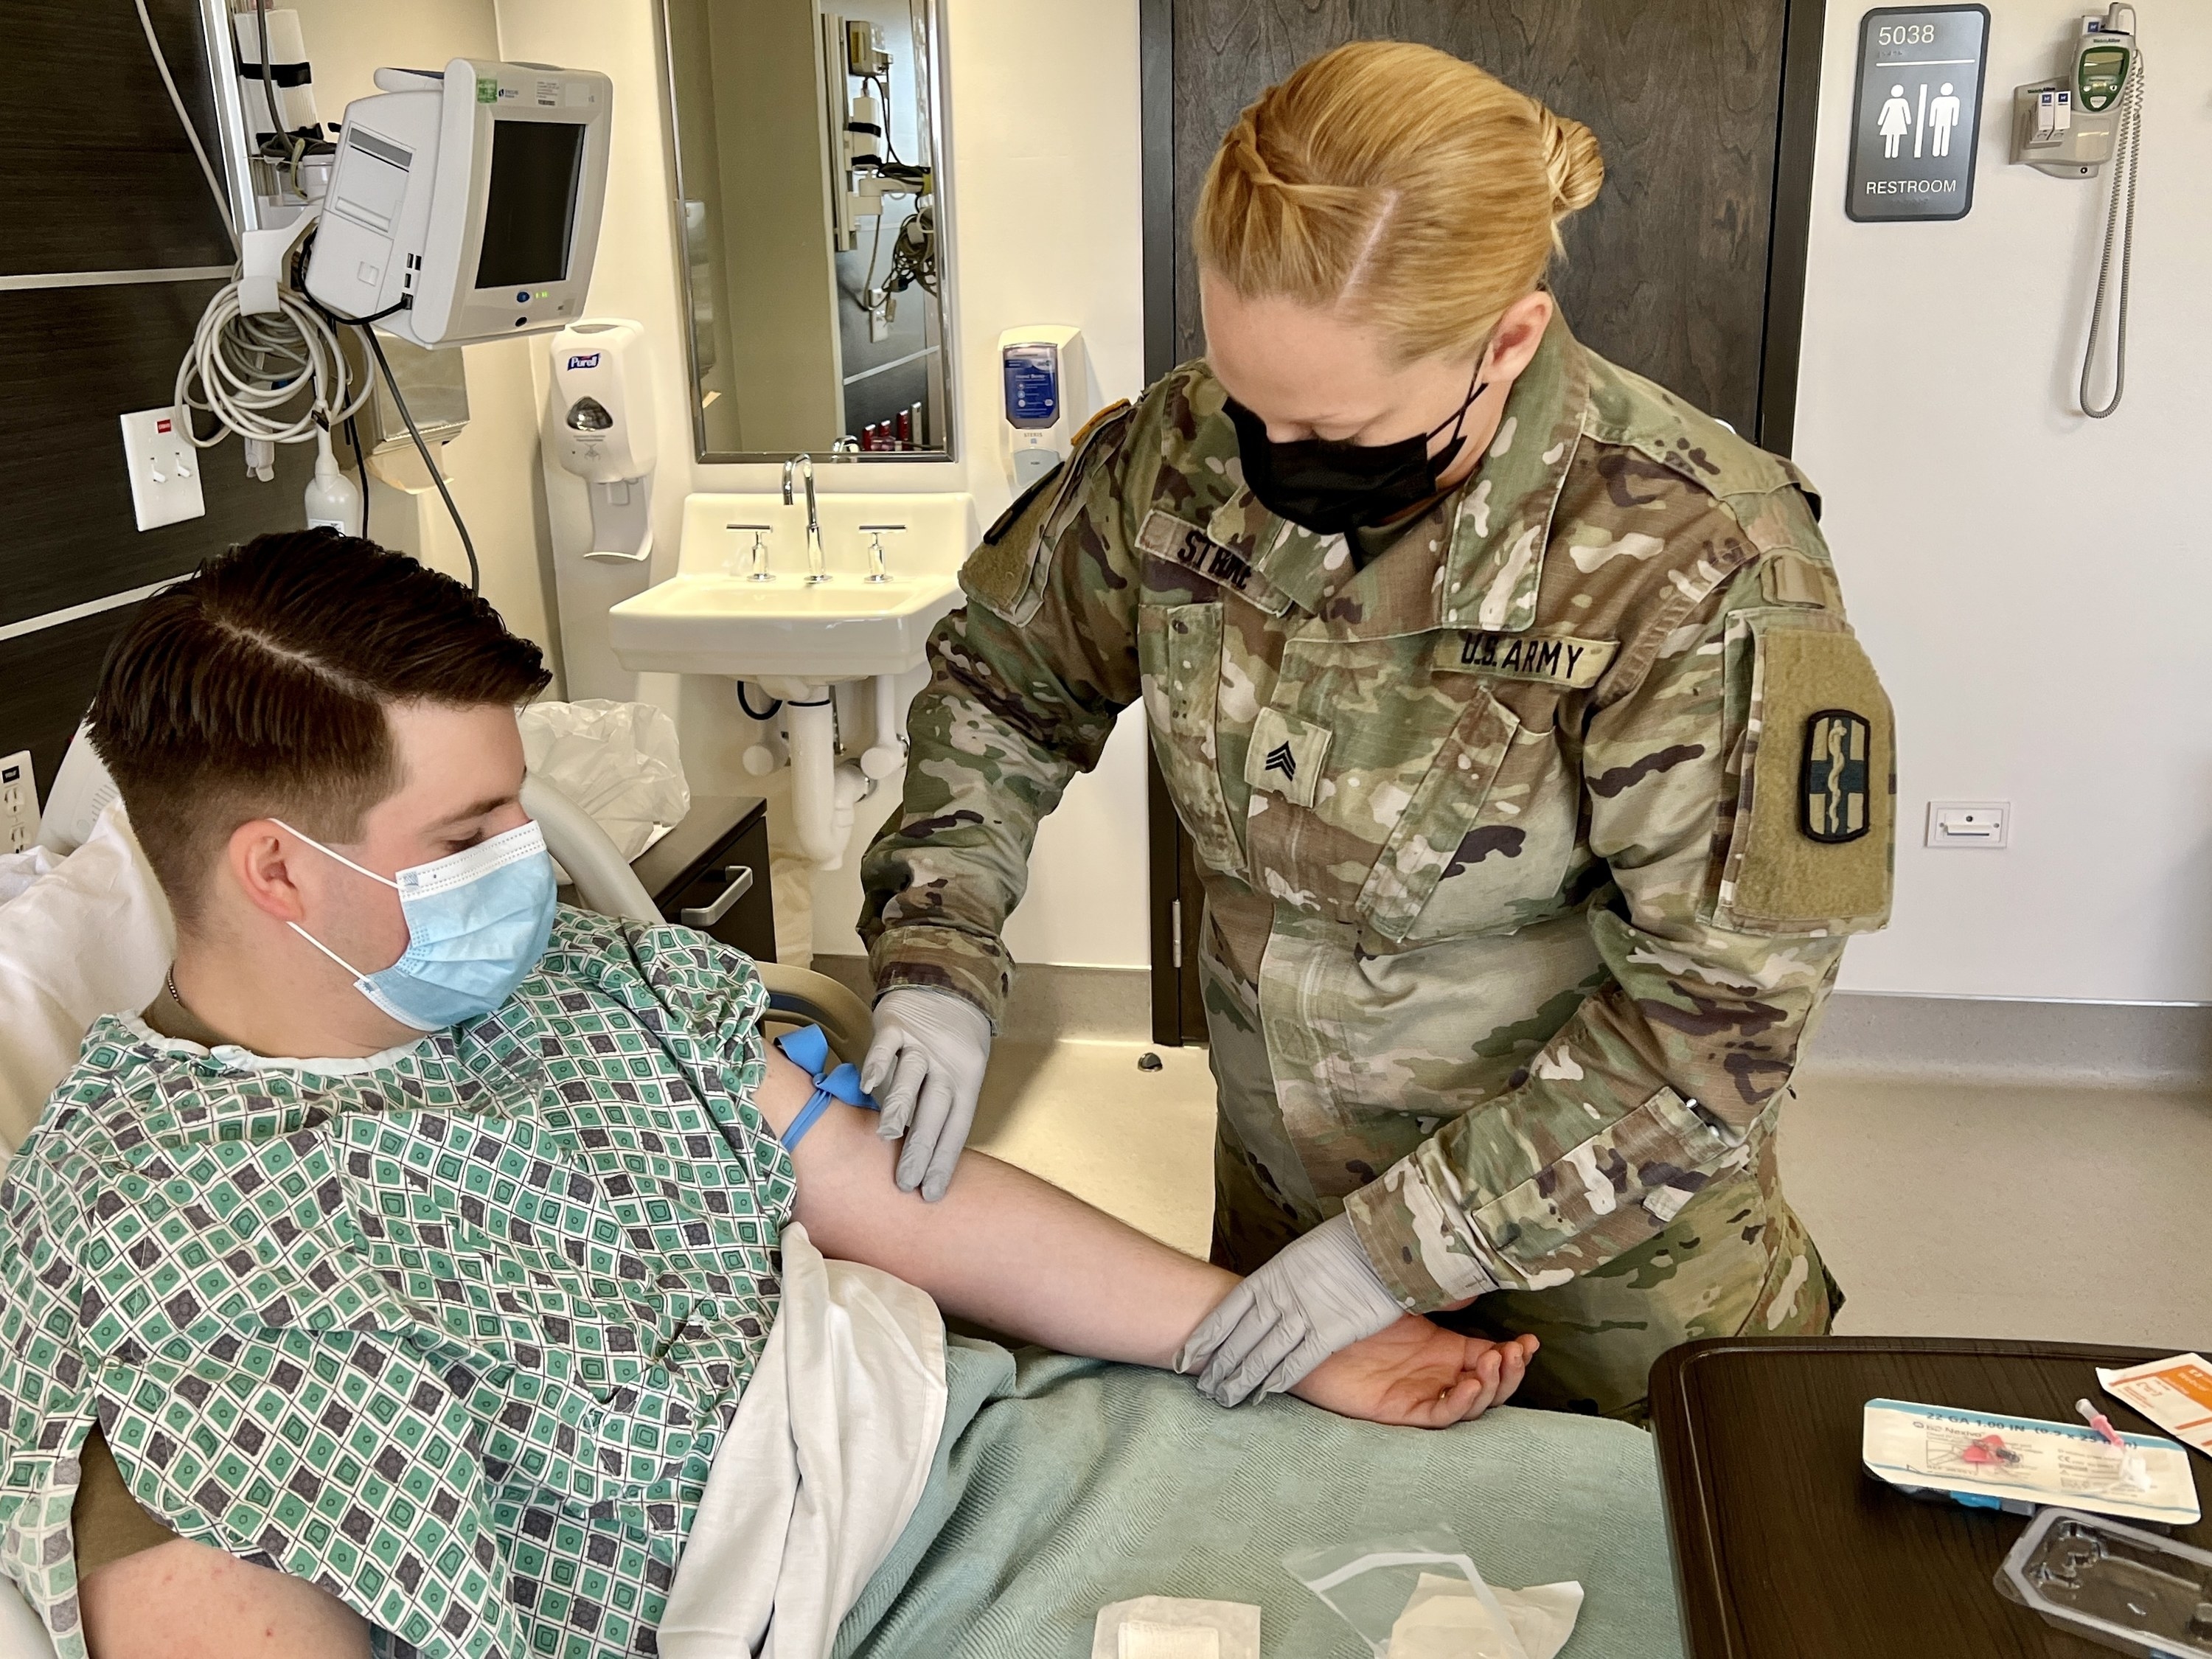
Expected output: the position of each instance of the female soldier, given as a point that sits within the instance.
(1534, 773)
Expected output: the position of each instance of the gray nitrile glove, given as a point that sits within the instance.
(924, 1068)
(1318, 1295)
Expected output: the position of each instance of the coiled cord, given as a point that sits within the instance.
(250, 372)
(2127, 156)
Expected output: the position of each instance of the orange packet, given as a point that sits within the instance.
(2175, 1394)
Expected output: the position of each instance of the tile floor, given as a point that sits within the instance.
(1944, 1211)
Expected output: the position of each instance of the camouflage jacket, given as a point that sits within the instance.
(1530, 847)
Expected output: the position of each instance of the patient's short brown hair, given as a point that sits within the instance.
(257, 688)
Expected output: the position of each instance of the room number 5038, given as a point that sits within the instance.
(1905, 34)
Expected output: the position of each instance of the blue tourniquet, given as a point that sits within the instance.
(809, 1050)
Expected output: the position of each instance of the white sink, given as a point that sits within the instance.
(845, 628)
(711, 618)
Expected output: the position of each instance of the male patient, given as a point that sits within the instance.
(400, 1269)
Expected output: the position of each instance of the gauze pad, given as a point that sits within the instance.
(1169, 1627)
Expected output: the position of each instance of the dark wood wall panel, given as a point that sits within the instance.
(94, 173)
(77, 358)
(1666, 272)
(46, 681)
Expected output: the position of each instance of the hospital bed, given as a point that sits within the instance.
(1063, 1485)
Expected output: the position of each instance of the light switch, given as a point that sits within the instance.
(1983, 823)
(165, 468)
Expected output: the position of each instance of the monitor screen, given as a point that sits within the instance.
(531, 207)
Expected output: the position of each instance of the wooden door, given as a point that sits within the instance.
(1689, 267)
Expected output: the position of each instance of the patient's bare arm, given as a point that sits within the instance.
(1017, 1255)
(186, 1601)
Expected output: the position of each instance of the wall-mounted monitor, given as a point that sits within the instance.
(464, 203)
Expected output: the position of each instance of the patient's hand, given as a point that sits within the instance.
(1419, 1375)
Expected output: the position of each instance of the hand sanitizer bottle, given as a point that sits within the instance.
(332, 499)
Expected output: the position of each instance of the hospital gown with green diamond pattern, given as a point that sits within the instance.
(452, 1331)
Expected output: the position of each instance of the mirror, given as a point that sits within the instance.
(809, 174)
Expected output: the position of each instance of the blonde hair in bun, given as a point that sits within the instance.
(1571, 162)
(1409, 188)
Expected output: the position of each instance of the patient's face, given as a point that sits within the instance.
(461, 772)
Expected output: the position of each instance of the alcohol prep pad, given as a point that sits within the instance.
(2023, 1463)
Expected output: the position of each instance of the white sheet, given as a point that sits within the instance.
(820, 1470)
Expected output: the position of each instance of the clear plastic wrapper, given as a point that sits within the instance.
(2113, 1584)
(2021, 1464)
(1420, 1595)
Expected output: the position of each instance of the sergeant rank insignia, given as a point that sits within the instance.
(1833, 789)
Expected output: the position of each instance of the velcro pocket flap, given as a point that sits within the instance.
(1630, 1179)
(1435, 821)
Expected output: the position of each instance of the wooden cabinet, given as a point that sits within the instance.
(710, 871)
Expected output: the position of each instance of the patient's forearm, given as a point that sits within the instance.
(1003, 1249)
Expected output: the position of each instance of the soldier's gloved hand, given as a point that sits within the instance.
(1319, 1294)
(925, 1067)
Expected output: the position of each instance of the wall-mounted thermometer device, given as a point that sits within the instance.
(2070, 126)
(2067, 126)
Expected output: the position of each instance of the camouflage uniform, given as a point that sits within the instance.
(1530, 848)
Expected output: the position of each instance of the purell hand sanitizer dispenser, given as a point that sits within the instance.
(599, 426)
(1045, 384)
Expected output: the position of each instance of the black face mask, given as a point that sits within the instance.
(1331, 485)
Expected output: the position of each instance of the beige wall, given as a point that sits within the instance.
(2032, 584)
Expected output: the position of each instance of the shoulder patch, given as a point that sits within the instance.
(1005, 573)
(1816, 811)
(1834, 787)
(1553, 659)
(1021, 504)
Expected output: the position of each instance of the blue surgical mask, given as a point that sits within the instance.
(477, 922)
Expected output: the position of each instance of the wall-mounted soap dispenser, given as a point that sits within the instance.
(600, 426)
(1046, 385)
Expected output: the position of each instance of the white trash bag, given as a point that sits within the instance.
(618, 761)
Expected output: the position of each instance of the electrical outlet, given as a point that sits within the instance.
(19, 802)
(1983, 823)
(165, 468)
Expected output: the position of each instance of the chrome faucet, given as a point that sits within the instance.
(816, 573)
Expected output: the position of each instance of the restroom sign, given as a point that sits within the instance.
(1917, 111)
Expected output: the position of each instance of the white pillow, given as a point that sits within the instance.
(92, 936)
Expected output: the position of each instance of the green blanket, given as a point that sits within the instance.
(1063, 1485)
